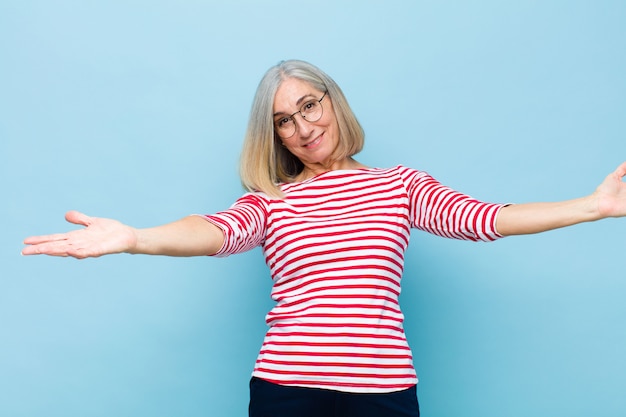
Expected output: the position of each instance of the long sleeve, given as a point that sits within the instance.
(442, 211)
(244, 224)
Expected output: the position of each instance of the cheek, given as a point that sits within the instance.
(329, 119)
(334, 127)
(289, 145)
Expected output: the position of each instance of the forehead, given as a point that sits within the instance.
(291, 93)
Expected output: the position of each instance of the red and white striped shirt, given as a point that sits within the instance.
(335, 248)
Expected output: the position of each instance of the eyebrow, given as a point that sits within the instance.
(300, 100)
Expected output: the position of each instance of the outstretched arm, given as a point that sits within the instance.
(609, 200)
(190, 236)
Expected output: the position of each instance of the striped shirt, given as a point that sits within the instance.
(335, 248)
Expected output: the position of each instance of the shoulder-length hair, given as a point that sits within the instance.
(265, 163)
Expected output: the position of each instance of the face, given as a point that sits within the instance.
(314, 142)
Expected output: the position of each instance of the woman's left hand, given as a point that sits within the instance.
(611, 194)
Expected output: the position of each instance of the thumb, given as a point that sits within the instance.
(621, 171)
(77, 217)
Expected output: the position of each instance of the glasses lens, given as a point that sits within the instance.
(312, 111)
(285, 127)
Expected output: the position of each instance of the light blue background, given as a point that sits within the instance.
(136, 110)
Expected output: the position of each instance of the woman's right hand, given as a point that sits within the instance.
(99, 237)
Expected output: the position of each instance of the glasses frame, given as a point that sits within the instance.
(295, 129)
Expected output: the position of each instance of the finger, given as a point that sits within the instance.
(621, 170)
(36, 240)
(77, 217)
(29, 250)
(52, 249)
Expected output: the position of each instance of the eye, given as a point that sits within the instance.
(308, 106)
(282, 122)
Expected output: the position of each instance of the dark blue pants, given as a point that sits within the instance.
(272, 400)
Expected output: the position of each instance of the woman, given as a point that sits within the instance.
(334, 233)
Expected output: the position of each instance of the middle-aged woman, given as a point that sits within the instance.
(334, 234)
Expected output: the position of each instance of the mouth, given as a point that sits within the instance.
(313, 143)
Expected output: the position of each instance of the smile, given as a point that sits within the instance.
(313, 143)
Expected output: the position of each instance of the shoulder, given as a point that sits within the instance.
(409, 174)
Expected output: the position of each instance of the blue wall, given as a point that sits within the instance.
(136, 110)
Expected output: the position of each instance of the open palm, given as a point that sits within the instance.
(99, 237)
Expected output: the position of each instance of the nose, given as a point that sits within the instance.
(304, 127)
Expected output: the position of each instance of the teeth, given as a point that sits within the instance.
(312, 143)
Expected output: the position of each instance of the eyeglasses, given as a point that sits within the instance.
(311, 111)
